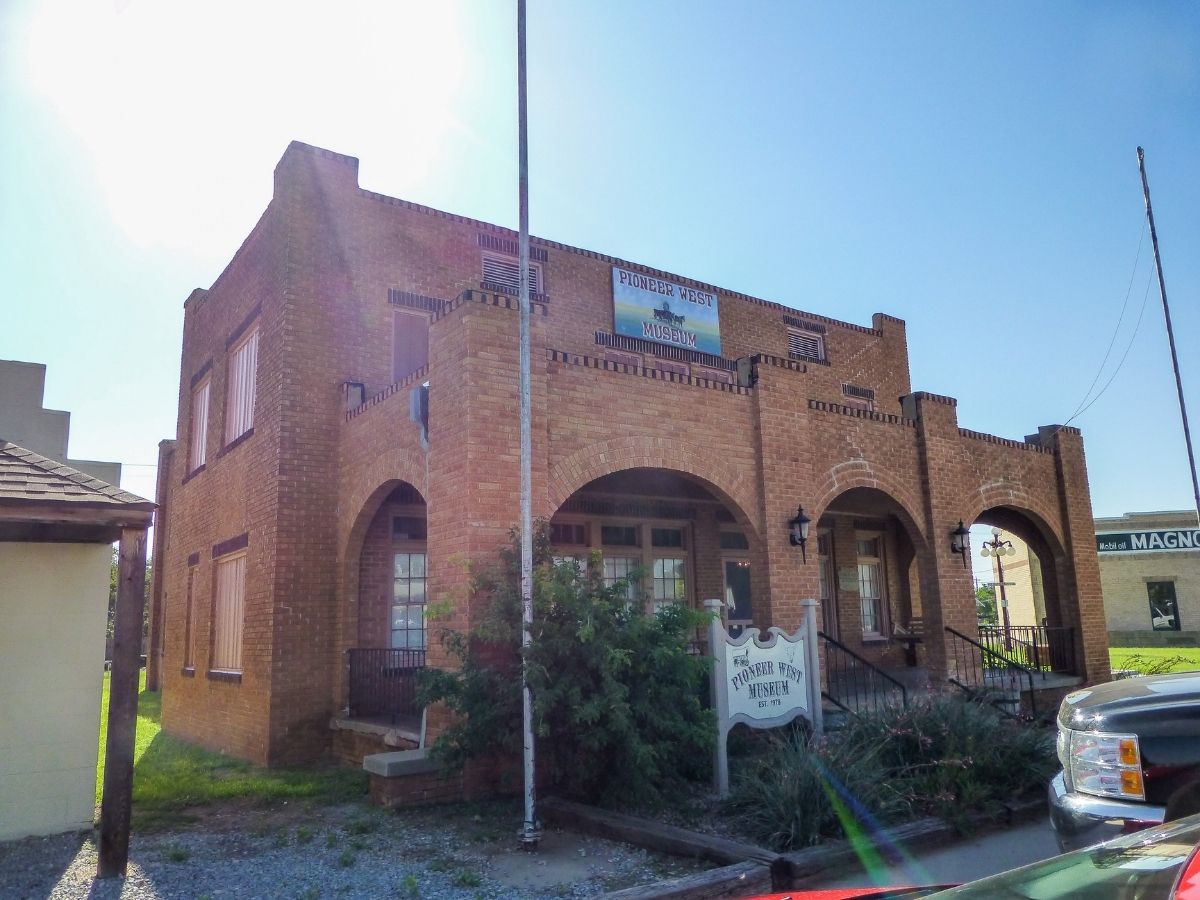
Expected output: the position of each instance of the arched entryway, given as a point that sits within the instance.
(382, 613)
(1019, 568)
(688, 541)
(869, 549)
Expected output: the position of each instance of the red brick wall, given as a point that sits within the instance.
(310, 482)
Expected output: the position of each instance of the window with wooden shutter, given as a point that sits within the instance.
(197, 446)
(228, 614)
(410, 344)
(503, 275)
(243, 370)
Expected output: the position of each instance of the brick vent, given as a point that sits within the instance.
(663, 351)
(397, 297)
(814, 327)
(853, 390)
(509, 247)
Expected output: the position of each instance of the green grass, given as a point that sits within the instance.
(1166, 659)
(171, 776)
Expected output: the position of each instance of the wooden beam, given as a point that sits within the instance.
(81, 512)
(117, 801)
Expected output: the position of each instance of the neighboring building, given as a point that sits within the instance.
(57, 526)
(25, 422)
(1021, 573)
(347, 441)
(1150, 571)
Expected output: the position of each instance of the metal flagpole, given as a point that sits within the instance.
(1162, 291)
(530, 832)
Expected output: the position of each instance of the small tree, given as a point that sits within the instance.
(985, 605)
(619, 713)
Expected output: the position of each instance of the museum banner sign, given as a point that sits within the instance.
(1159, 541)
(665, 312)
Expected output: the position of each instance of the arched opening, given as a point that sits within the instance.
(870, 579)
(1017, 566)
(688, 540)
(384, 600)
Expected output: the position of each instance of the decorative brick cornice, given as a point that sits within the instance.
(508, 233)
(408, 381)
(501, 300)
(1003, 442)
(855, 413)
(782, 362)
(935, 398)
(591, 362)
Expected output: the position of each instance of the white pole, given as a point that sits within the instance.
(530, 832)
(717, 650)
(813, 664)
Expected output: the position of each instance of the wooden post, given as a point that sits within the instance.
(122, 704)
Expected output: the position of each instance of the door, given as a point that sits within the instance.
(738, 599)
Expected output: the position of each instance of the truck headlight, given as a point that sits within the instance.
(1107, 765)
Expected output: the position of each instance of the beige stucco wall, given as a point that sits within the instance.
(53, 605)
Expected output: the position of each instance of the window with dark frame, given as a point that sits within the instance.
(198, 443)
(229, 602)
(243, 370)
(410, 343)
(1164, 608)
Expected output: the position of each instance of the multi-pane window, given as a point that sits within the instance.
(503, 274)
(568, 534)
(668, 584)
(619, 536)
(870, 585)
(805, 344)
(829, 618)
(197, 446)
(228, 613)
(408, 601)
(243, 369)
(1164, 608)
(618, 568)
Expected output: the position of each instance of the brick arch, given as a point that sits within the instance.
(1038, 514)
(732, 486)
(372, 484)
(860, 474)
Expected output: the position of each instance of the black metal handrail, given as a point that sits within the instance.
(383, 682)
(971, 662)
(1037, 647)
(855, 684)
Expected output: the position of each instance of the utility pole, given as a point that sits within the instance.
(1162, 292)
(530, 832)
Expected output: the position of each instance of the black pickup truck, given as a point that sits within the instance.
(1130, 752)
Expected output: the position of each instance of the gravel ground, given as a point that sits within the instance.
(346, 851)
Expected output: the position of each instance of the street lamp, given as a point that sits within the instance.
(998, 548)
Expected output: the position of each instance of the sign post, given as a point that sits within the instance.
(763, 683)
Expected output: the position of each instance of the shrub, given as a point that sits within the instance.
(618, 709)
(942, 756)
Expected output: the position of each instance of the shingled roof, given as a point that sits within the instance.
(42, 499)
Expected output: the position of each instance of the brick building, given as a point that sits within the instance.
(348, 438)
(1150, 572)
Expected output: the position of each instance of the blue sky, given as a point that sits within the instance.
(967, 167)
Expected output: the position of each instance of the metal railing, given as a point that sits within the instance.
(383, 682)
(1036, 647)
(854, 684)
(988, 674)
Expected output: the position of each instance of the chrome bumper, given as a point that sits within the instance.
(1080, 820)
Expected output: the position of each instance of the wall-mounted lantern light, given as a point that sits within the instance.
(958, 541)
(798, 531)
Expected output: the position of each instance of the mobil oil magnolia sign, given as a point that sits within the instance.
(1157, 541)
(665, 312)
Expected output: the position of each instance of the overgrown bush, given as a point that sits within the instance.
(618, 709)
(943, 756)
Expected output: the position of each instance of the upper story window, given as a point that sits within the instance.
(197, 445)
(410, 343)
(243, 370)
(503, 275)
(805, 344)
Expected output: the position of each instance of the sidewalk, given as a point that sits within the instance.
(966, 860)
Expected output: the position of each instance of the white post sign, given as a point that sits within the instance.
(763, 683)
